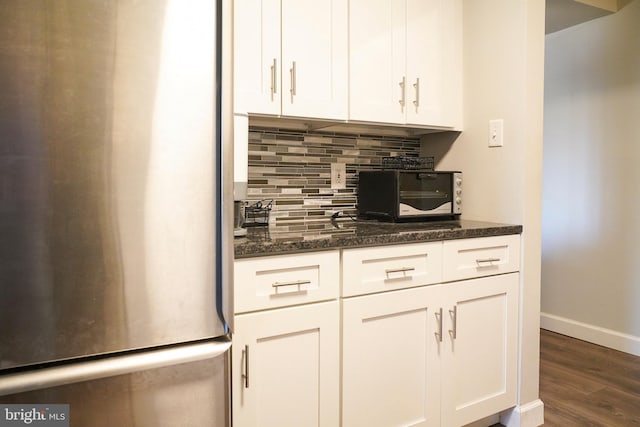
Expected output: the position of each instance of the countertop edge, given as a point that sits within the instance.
(271, 248)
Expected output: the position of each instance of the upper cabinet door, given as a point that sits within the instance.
(290, 58)
(434, 63)
(451, 56)
(377, 79)
(257, 56)
(425, 66)
(314, 58)
(405, 62)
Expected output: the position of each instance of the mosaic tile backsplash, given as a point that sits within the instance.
(293, 170)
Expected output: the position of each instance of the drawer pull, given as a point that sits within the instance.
(400, 270)
(297, 283)
(487, 260)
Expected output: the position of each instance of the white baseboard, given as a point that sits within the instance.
(594, 334)
(528, 415)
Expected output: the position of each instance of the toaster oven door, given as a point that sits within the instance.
(425, 193)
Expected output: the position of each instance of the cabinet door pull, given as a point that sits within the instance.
(297, 283)
(399, 270)
(274, 80)
(292, 72)
(454, 321)
(416, 86)
(402, 84)
(487, 261)
(245, 373)
(438, 315)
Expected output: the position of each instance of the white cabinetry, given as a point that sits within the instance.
(405, 61)
(279, 281)
(390, 360)
(286, 366)
(483, 256)
(479, 361)
(383, 268)
(429, 335)
(438, 355)
(286, 361)
(291, 57)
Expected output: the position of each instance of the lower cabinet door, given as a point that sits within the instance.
(481, 330)
(391, 373)
(286, 367)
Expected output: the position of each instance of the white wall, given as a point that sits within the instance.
(503, 79)
(591, 204)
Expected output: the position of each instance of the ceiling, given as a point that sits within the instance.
(561, 14)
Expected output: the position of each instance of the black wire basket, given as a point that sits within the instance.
(408, 163)
(257, 214)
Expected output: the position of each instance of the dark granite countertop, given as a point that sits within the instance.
(345, 233)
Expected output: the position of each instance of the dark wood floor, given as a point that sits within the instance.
(583, 384)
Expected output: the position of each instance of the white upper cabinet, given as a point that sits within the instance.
(256, 56)
(405, 62)
(377, 60)
(290, 58)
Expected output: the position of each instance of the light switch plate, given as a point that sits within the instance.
(496, 133)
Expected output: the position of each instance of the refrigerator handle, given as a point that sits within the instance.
(76, 372)
(227, 176)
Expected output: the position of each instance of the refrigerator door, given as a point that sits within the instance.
(180, 386)
(109, 176)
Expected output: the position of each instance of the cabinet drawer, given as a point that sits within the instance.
(278, 281)
(483, 256)
(385, 268)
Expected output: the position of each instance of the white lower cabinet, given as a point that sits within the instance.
(286, 367)
(390, 361)
(441, 355)
(479, 361)
(424, 335)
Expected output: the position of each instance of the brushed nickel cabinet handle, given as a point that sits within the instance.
(402, 97)
(292, 72)
(487, 260)
(294, 283)
(245, 374)
(416, 86)
(274, 80)
(438, 315)
(399, 270)
(454, 320)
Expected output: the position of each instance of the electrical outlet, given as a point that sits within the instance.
(338, 176)
(495, 133)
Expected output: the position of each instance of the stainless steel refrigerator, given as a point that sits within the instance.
(116, 210)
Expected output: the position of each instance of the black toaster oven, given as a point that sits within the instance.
(404, 195)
